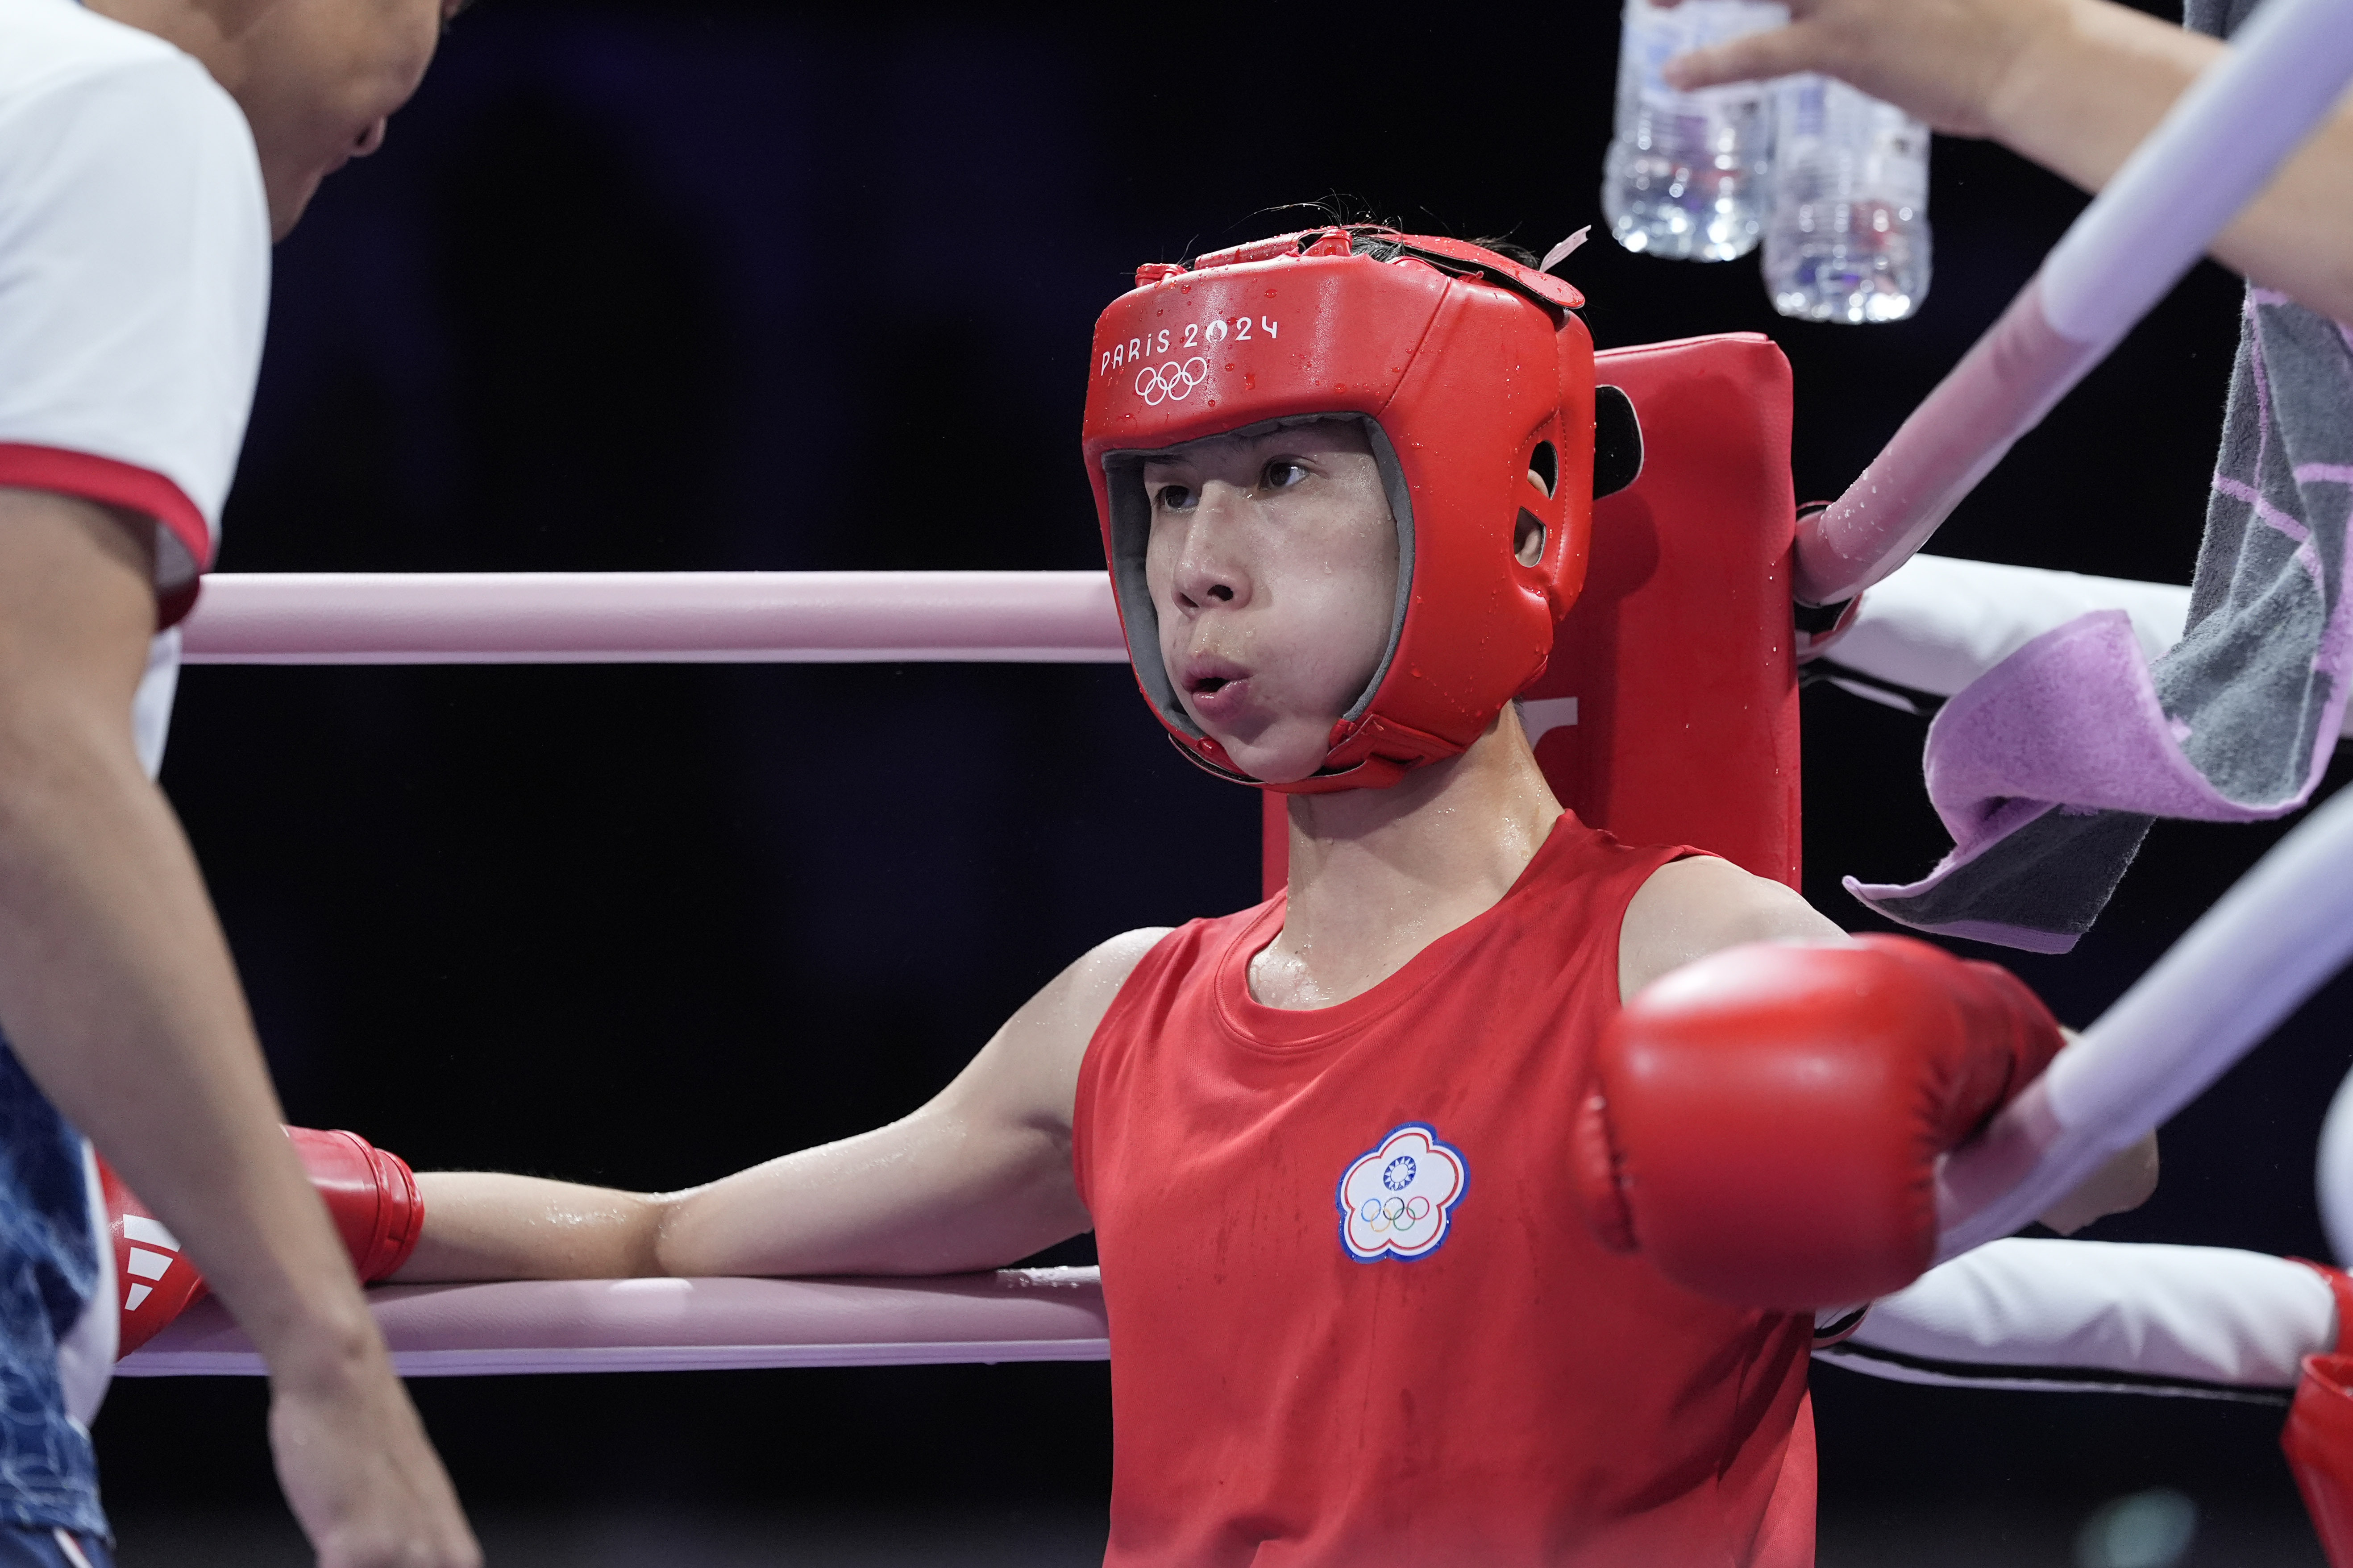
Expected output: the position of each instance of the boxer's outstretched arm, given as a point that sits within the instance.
(117, 992)
(975, 1179)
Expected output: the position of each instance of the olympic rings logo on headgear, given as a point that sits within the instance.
(1157, 383)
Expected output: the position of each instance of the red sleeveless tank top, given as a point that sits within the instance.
(1356, 1318)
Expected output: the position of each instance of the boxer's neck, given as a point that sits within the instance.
(1377, 875)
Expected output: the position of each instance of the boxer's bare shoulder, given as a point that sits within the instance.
(1027, 1074)
(1693, 907)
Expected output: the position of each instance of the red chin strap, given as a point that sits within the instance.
(1469, 371)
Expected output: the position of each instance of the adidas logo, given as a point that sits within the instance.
(144, 1263)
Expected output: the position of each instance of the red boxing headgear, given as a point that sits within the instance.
(1469, 372)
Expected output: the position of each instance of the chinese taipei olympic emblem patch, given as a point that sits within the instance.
(1397, 1200)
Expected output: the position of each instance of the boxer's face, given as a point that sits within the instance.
(317, 81)
(1273, 565)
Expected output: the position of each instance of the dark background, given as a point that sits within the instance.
(689, 286)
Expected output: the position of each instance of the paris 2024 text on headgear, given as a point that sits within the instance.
(1469, 372)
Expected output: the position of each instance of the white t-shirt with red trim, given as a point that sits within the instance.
(134, 281)
(134, 289)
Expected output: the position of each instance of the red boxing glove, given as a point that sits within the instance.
(2318, 1438)
(156, 1281)
(1765, 1123)
(370, 1195)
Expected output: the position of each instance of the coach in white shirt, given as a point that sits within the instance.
(150, 150)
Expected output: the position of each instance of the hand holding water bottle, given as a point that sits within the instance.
(1950, 63)
(1846, 222)
(2073, 85)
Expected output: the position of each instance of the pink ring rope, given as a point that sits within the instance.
(677, 1325)
(654, 617)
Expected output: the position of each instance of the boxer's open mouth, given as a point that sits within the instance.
(1206, 675)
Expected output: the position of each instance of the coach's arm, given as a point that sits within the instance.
(118, 995)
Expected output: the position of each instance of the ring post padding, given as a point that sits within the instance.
(654, 617)
(2273, 939)
(677, 1325)
(2217, 147)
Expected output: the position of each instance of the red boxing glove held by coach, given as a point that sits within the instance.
(1764, 1123)
(370, 1195)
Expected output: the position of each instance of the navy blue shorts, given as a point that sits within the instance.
(31, 1547)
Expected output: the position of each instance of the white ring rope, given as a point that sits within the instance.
(654, 617)
(2208, 158)
(2274, 938)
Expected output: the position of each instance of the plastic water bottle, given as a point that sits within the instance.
(1686, 172)
(1848, 238)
